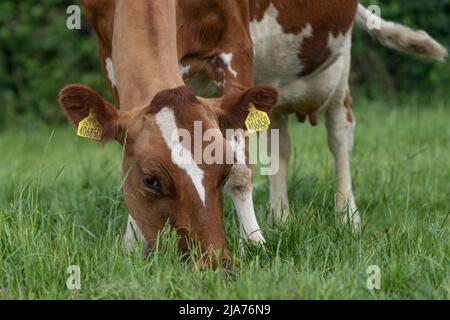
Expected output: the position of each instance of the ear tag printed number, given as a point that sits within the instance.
(257, 120)
(90, 128)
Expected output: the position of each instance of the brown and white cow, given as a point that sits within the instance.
(303, 48)
(138, 49)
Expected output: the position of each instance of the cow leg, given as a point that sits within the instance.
(240, 187)
(279, 202)
(132, 236)
(341, 126)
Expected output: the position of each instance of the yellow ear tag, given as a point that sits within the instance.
(90, 128)
(257, 120)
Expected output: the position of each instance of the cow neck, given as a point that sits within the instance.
(145, 50)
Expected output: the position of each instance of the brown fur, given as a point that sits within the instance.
(181, 97)
(294, 15)
(78, 100)
(236, 105)
(207, 28)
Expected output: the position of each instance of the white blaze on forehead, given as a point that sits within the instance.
(180, 156)
(184, 69)
(110, 72)
(226, 59)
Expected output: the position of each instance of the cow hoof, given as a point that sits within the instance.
(257, 238)
(253, 239)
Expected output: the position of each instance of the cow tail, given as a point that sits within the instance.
(399, 37)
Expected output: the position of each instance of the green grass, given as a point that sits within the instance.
(60, 206)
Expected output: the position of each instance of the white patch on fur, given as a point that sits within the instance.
(220, 84)
(184, 69)
(226, 59)
(110, 71)
(180, 156)
(237, 144)
(277, 63)
(337, 44)
(276, 59)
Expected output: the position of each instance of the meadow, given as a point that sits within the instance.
(61, 205)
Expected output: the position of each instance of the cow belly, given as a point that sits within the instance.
(312, 93)
(302, 94)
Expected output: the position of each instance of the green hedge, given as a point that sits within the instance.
(378, 70)
(38, 55)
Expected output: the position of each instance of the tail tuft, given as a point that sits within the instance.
(399, 37)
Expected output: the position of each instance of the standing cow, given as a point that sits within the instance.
(303, 48)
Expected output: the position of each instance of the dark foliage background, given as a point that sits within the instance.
(381, 71)
(38, 55)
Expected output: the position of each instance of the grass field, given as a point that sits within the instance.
(60, 205)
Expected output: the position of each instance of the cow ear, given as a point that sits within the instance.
(78, 101)
(235, 106)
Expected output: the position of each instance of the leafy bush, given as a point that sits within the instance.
(39, 55)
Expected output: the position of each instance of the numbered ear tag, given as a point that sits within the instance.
(257, 120)
(90, 128)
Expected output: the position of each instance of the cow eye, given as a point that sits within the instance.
(153, 184)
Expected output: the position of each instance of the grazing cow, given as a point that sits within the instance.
(303, 48)
(137, 43)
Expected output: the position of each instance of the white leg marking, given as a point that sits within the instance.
(340, 140)
(180, 156)
(111, 72)
(220, 84)
(239, 186)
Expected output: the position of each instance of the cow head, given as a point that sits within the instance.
(164, 181)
